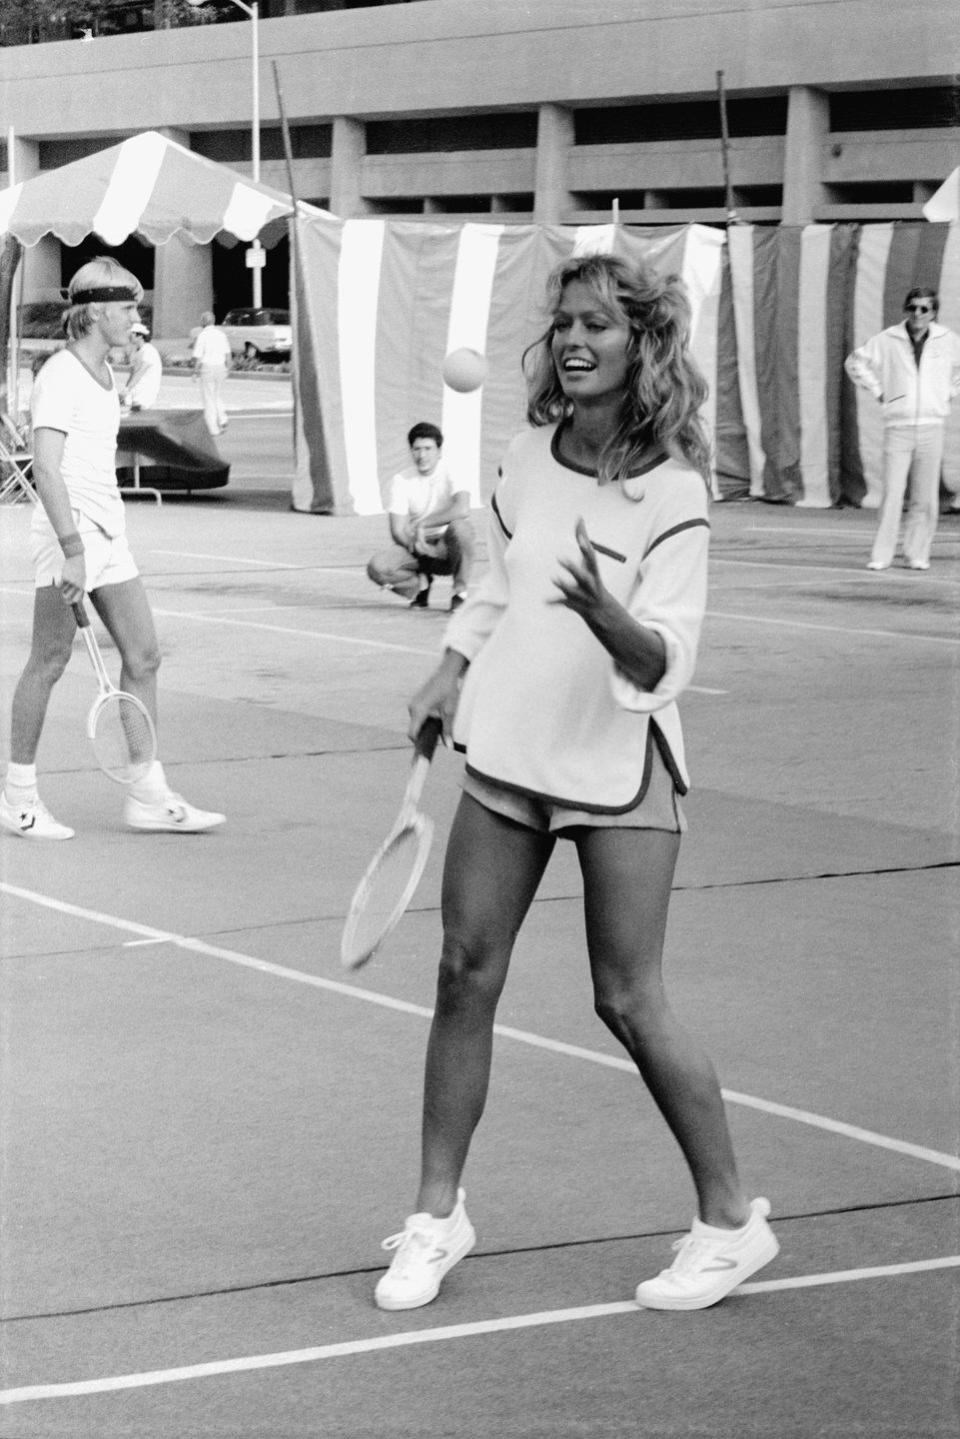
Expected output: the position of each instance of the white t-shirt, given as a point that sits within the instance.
(146, 373)
(211, 348)
(67, 397)
(413, 495)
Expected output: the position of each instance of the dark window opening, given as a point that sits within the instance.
(684, 120)
(920, 108)
(446, 133)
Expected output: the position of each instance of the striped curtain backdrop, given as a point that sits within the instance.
(378, 303)
(803, 297)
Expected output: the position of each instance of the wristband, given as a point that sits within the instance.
(71, 545)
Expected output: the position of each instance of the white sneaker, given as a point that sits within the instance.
(878, 565)
(426, 1249)
(710, 1262)
(32, 820)
(169, 814)
(918, 564)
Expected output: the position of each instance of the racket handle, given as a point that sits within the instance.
(427, 737)
(80, 614)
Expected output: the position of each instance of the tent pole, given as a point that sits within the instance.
(9, 319)
(732, 217)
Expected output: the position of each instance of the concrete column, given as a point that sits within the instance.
(40, 266)
(552, 198)
(347, 154)
(808, 125)
(182, 278)
(182, 287)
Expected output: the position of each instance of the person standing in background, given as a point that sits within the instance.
(211, 361)
(146, 371)
(913, 370)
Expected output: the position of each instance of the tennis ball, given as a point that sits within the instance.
(464, 370)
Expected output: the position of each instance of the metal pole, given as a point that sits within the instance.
(16, 290)
(255, 22)
(732, 216)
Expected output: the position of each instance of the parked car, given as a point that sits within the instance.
(254, 333)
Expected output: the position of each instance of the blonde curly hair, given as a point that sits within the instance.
(664, 389)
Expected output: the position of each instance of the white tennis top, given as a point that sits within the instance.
(67, 397)
(544, 709)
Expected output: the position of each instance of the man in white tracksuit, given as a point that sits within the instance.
(913, 369)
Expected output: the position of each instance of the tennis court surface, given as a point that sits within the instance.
(208, 1127)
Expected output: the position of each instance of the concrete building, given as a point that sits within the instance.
(519, 110)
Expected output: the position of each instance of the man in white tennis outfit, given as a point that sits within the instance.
(79, 547)
(211, 359)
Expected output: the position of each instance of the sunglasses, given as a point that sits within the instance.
(920, 309)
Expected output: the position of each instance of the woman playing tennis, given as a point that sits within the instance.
(559, 679)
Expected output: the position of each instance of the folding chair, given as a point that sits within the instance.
(16, 464)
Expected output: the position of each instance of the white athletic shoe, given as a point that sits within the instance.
(427, 1248)
(32, 820)
(710, 1262)
(171, 814)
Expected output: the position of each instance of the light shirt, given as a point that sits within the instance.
(413, 495)
(68, 398)
(211, 348)
(146, 372)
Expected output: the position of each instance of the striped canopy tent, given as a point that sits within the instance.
(380, 302)
(148, 185)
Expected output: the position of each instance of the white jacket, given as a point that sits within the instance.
(911, 394)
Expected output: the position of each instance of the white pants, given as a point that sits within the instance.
(914, 453)
(211, 390)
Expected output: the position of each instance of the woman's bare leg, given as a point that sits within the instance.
(492, 870)
(627, 875)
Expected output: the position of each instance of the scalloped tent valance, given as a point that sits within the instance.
(148, 186)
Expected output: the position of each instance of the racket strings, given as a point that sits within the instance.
(385, 892)
(124, 740)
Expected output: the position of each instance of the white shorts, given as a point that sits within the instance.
(108, 560)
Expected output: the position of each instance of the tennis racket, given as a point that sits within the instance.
(393, 874)
(119, 725)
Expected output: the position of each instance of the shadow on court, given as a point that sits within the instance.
(208, 1127)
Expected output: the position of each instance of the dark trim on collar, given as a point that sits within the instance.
(644, 469)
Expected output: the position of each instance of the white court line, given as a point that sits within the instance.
(842, 572)
(337, 639)
(221, 619)
(249, 1362)
(814, 530)
(231, 559)
(503, 1031)
(289, 630)
(832, 629)
(354, 571)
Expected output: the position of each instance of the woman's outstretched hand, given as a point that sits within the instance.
(581, 588)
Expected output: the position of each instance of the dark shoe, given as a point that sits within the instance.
(456, 601)
(421, 601)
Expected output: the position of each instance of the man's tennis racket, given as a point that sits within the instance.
(394, 872)
(119, 725)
